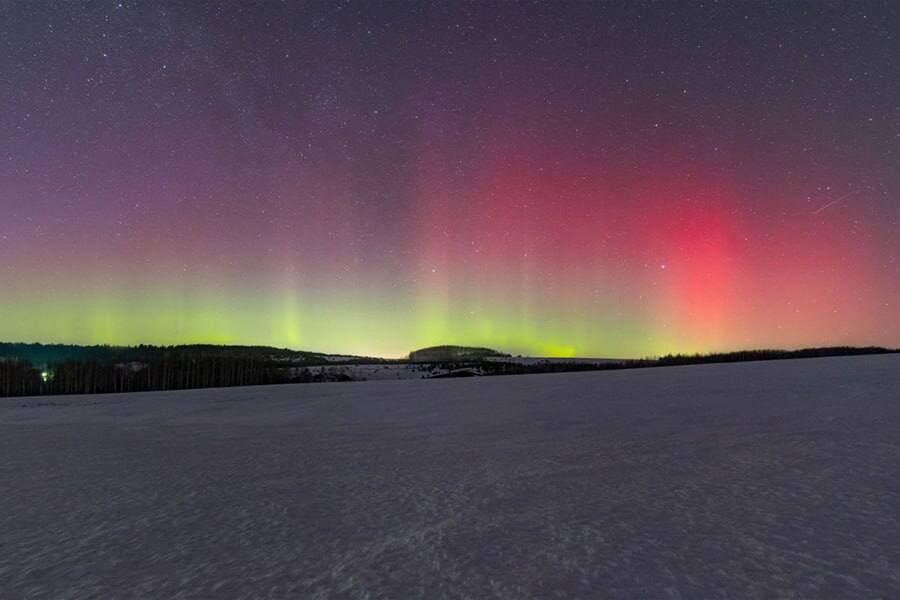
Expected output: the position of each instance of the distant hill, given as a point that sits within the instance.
(44, 354)
(446, 353)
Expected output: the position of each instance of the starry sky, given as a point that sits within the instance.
(548, 178)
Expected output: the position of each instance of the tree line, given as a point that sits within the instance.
(42, 354)
(169, 371)
(103, 369)
(750, 355)
(513, 368)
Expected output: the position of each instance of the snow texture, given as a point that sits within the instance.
(376, 371)
(753, 480)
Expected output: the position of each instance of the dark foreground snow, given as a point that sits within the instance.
(778, 479)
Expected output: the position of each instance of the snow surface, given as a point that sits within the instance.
(376, 371)
(424, 370)
(543, 360)
(753, 480)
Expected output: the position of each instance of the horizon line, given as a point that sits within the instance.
(405, 356)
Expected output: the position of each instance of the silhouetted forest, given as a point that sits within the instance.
(36, 369)
(174, 370)
(43, 354)
(561, 366)
(748, 355)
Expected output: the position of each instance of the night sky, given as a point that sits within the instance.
(592, 179)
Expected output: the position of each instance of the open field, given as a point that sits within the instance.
(768, 479)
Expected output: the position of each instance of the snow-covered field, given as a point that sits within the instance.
(375, 371)
(543, 360)
(383, 371)
(753, 480)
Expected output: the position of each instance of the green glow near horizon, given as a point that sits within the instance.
(362, 326)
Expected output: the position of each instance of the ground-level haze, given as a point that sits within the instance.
(752, 480)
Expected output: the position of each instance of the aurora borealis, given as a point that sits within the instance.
(591, 179)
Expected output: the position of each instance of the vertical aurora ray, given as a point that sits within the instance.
(559, 180)
(553, 261)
